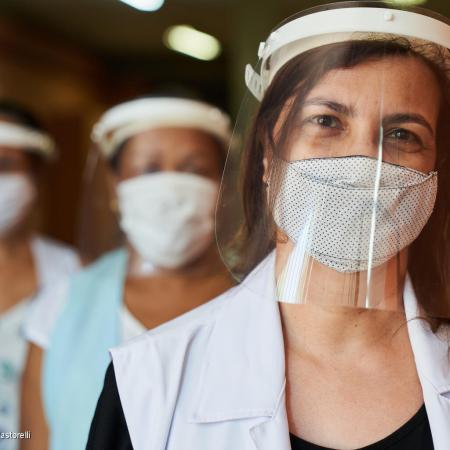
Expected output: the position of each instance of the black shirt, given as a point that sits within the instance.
(413, 435)
(109, 430)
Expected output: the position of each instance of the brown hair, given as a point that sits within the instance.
(429, 256)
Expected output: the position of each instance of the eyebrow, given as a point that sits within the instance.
(335, 106)
(408, 118)
(349, 111)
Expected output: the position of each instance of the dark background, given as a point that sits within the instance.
(68, 60)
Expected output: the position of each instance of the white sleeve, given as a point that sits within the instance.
(54, 260)
(44, 311)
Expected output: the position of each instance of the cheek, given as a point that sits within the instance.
(216, 169)
(211, 164)
(303, 147)
(306, 145)
(424, 161)
(427, 164)
(15, 170)
(125, 173)
(215, 176)
(424, 166)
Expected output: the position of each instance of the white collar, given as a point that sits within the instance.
(243, 374)
(244, 371)
(431, 350)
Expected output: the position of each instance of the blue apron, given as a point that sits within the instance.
(76, 360)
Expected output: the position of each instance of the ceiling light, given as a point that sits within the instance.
(144, 5)
(407, 2)
(189, 41)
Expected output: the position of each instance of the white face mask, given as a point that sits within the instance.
(168, 216)
(17, 192)
(331, 203)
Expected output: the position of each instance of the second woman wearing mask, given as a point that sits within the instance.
(165, 158)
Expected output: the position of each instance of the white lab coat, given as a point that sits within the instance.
(53, 260)
(214, 379)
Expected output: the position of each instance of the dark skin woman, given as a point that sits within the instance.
(166, 293)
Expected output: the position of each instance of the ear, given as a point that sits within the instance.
(267, 167)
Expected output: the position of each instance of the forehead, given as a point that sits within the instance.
(12, 153)
(7, 118)
(171, 136)
(171, 143)
(393, 82)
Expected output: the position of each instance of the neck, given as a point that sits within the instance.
(207, 265)
(311, 282)
(341, 312)
(14, 245)
(336, 330)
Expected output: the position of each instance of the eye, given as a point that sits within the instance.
(403, 136)
(151, 168)
(327, 121)
(403, 140)
(194, 169)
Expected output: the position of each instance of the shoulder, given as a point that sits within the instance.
(54, 247)
(61, 256)
(180, 345)
(169, 370)
(107, 264)
(177, 331)
(155, 370)
(45, 309)
(233, 310)
(74, 290)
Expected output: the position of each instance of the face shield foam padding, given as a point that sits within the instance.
(22, 137)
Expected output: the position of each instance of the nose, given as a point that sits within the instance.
(364, 139)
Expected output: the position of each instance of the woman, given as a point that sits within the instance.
(336, 339)
(28, 261)
(165, 156)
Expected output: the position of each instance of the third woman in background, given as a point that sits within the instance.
(28, 261)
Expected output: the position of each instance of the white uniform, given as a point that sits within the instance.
(53, 260)
(48, 306)
(215, 377)
(75, 363)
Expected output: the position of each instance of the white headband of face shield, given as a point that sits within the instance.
(130, 118)
(168, 217)
(351, 213)
(21, 137)
(339, 25)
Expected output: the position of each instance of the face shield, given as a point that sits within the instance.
(163, 158)
(342, 168)
(18, 146)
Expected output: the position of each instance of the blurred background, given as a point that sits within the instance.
(67, 60)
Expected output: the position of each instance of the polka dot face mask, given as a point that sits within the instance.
(352, 213)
